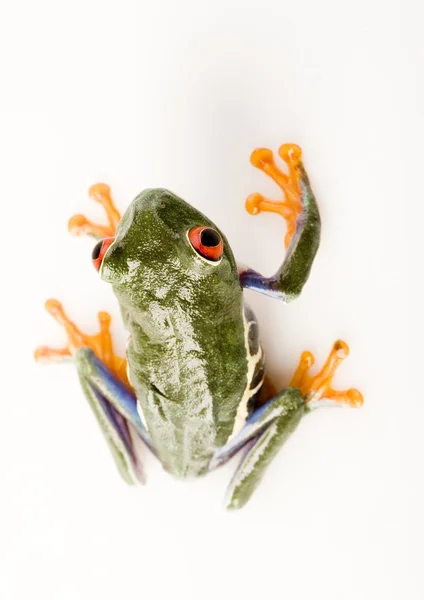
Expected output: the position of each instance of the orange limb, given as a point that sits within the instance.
(319, 387)
(101, 343)
(79, 224)
(291, 206)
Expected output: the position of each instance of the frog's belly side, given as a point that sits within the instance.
(198, 413)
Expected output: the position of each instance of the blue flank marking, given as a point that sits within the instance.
(117, 421)
(124, 396)
(242, 439)
(252, 280)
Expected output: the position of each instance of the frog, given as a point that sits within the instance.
(192, 387)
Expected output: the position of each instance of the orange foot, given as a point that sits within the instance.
(291, 206)
(319, 387)
(101, 343)
(78, 224)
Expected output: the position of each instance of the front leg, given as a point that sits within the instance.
(268, 428)
(300, 211)
(80, 225)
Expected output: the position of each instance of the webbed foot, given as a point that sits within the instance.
(319, 387)
(80, 225)
(100, 343)
(291, 206)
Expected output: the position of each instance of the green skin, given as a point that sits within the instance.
(186, 354)
(193, 352)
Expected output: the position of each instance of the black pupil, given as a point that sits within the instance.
(96, 250)
(210, 238)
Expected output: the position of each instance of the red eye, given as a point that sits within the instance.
(207, 242)
(99, 251)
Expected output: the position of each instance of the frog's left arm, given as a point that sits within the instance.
(303, 224)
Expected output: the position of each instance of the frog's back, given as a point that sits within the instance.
(188, 354)
(194, 391)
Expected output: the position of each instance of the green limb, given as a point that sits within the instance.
(115, 408)
(116, 446)
(288, 281)
(294, 272)
(279, 417)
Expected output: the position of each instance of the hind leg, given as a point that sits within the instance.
(104, 382)
(269, 427)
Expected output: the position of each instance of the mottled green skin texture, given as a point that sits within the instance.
(187, 355)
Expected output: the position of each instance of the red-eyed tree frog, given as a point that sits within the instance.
(193, 384)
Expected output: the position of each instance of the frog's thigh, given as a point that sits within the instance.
(273, 424)
(115, 407)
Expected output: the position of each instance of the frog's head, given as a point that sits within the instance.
(164, 252)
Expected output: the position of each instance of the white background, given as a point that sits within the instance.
(177, 94)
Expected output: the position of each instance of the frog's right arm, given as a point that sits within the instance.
(300, 211)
